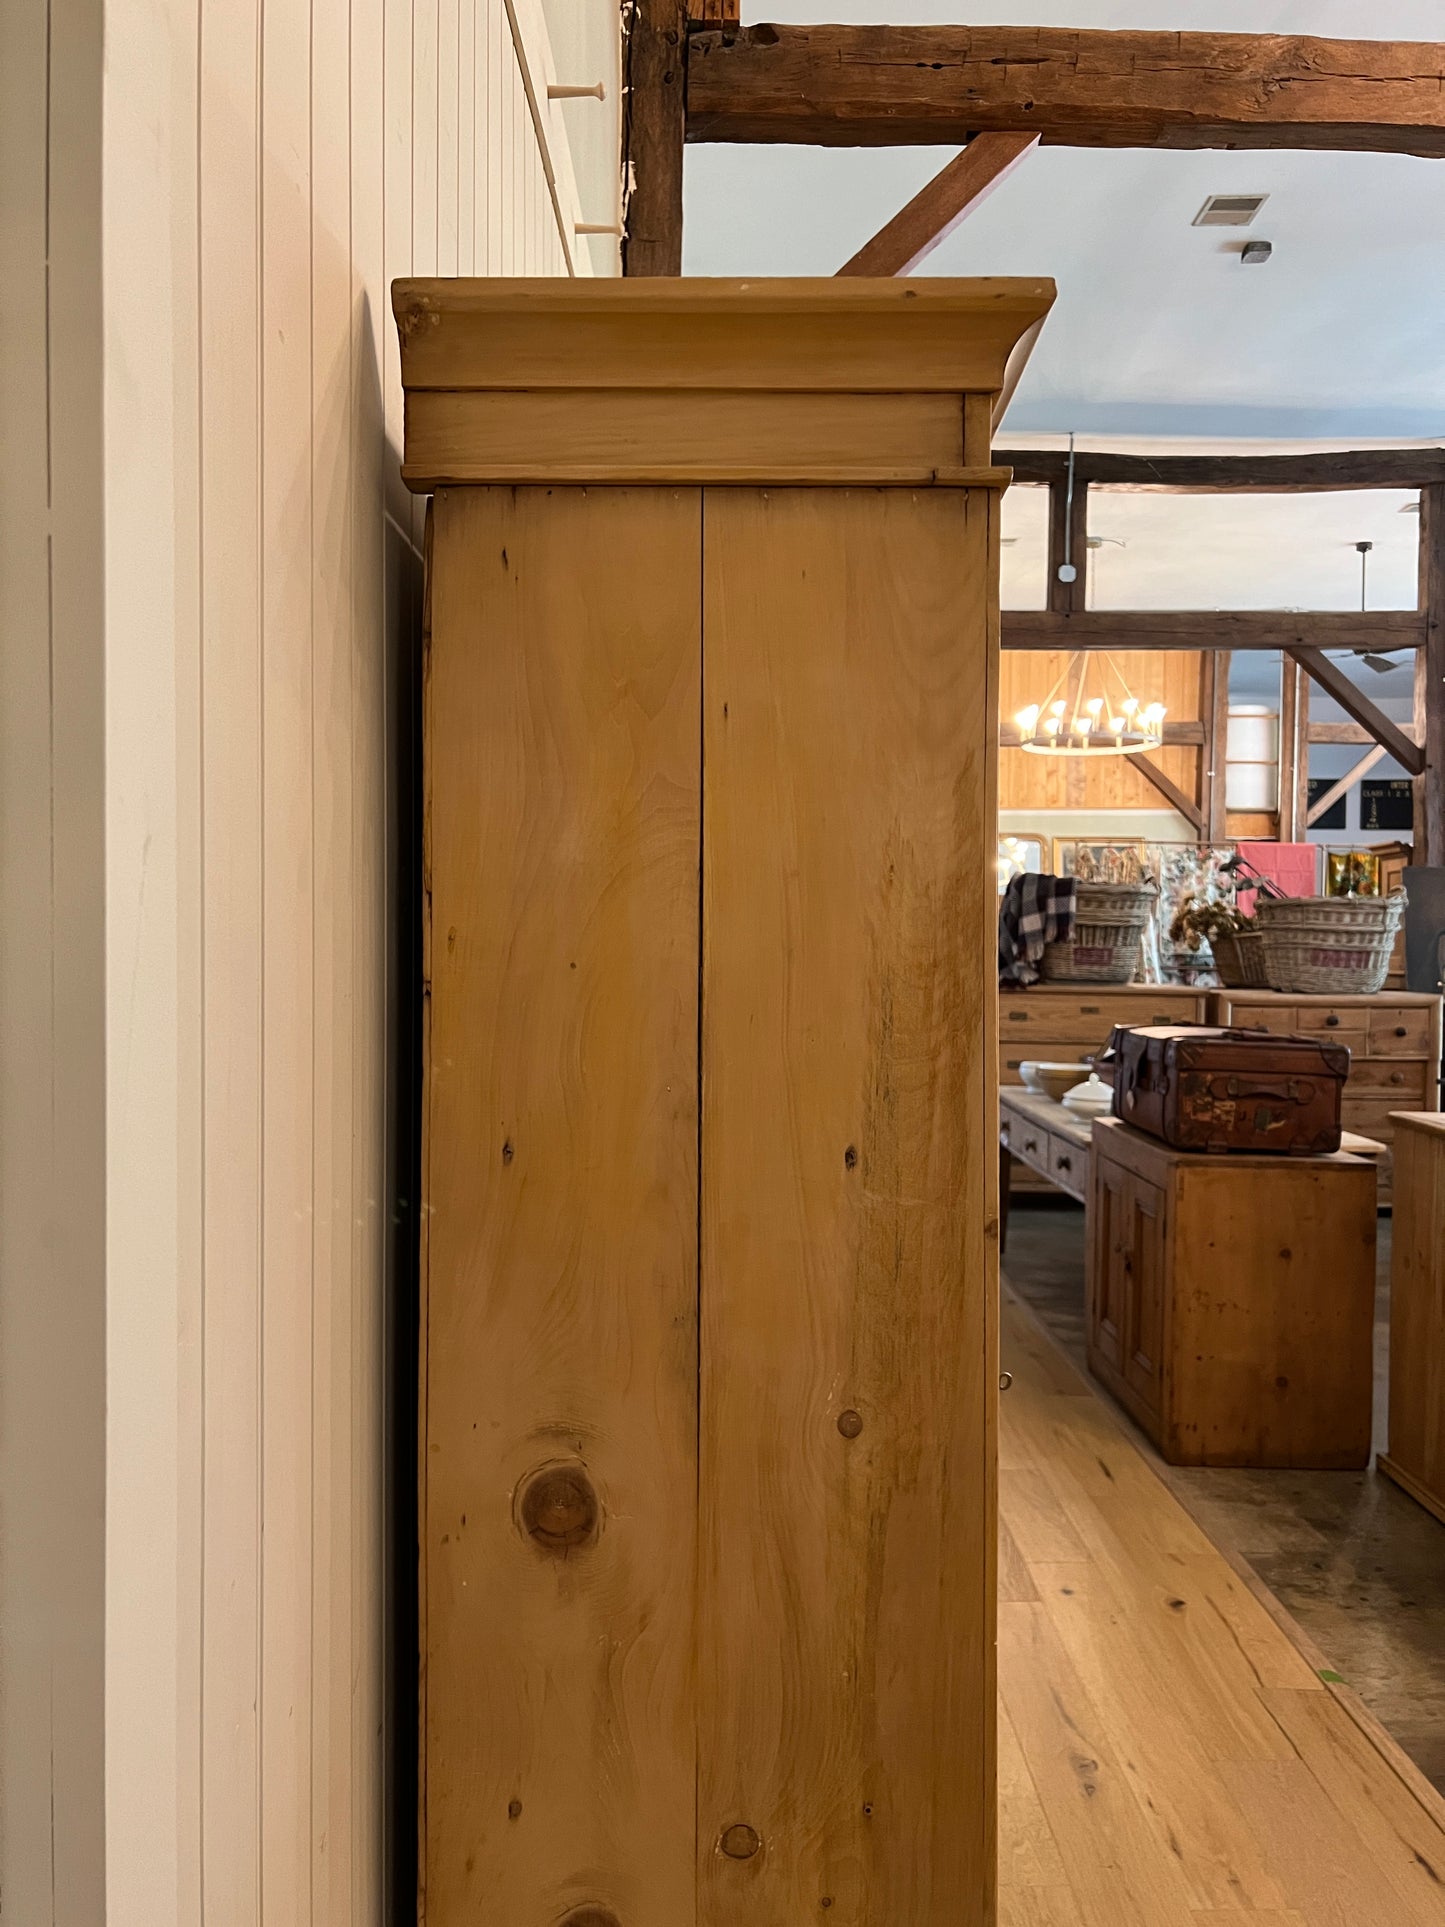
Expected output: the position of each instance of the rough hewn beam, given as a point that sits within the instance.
(703, 14)
(1235, 474)
(1346, 783)
(1339, 733)
(655, 51)
(878, 86)
(936, 209)
(1210, 629)
(1430, 681)
(1353, 700)
(1170, 791)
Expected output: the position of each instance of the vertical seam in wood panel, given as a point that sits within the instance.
(201, 954)
(261, 832)
(697, 1096)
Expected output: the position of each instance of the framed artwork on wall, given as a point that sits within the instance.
(1019, 852)
(1091, 862)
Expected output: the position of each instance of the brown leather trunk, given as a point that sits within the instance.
(1231, 1090)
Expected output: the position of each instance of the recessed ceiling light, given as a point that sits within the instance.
(1229, 210)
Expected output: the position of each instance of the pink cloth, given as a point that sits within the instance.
(1295, 867)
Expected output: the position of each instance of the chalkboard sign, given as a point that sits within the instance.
(1334, 816)
(1387, 804)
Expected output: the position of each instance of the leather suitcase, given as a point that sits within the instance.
(1202, 1089)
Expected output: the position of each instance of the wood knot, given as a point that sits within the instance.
(850, 1424)
(739, 1841)
(850, 1158)
(558, 1508)
(514, 1809)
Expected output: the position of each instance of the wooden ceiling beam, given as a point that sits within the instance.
(1211, 629)
(1169, 790)
(1346, 783)
(939, 207)
(884, 86)
(1355, 703)
(1306, 473)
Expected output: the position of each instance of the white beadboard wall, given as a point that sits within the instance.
(210, 591)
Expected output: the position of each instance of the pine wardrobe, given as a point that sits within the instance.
(709, 1371)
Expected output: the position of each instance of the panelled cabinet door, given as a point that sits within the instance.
(1143, 1348)
(1109, 1261)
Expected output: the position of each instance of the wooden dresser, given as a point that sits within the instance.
(1416, 1458)
(1230, 1300)
(1394, 1042)
(1063, 1023)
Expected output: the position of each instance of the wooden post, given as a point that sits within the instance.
(1066, 597)
(652, 136)
(1430, 680)
(1213, 760)
(1294, 752)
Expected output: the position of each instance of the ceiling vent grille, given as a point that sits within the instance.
(1229, 210)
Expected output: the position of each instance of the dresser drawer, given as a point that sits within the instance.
(1345, 1022)
(1085, 1019)
(1404, 1084)
(1068, 1164)
(1409, 1032)
(1280, 1020)
(1369, 1114)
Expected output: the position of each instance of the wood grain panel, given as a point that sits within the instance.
(846, 1712)
(628, 434)
(1416, 1459)
(564, 796)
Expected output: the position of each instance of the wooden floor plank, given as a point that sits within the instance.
(1168, 1754)
(1014, 1581)
(1329, 1873)
(1028, 1853)
(1110, 1855)
(1045, 1907)
(1154, 1725)
(1406, 1843)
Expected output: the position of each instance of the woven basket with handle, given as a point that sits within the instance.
(1109, 924)
(1240, 960)
(1329, 946)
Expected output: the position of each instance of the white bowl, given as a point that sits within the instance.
(1052, 1080)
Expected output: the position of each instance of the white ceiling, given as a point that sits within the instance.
(1159, 328)
(1161, 338)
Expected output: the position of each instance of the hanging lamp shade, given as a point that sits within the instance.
(1090, 711)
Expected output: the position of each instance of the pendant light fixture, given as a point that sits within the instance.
(1090, 711)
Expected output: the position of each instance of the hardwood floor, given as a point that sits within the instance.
(1168, 1755)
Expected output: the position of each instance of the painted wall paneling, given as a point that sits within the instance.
(211, 585)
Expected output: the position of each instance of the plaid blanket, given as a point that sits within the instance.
(1035, 910)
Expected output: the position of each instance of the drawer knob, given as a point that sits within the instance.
(1331, 1021)
(1031, 1144)
(1400, 1031)
(1066, 1164)
(1397, 1077)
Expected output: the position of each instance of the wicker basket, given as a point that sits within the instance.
(1240, 960)
(1329, 946)
(1109, 924)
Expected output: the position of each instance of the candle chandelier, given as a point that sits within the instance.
(1090, 711)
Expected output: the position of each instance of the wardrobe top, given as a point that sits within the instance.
(936, 334)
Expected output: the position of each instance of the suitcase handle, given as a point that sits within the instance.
(1292, 1090)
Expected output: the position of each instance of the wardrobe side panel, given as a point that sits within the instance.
(846, 1611)
(559, 1475)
